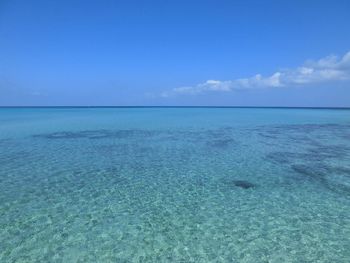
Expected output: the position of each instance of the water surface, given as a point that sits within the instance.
(174, 185)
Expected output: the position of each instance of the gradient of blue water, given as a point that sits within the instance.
(167, 185)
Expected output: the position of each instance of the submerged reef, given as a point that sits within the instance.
(229, 184)
(95, 134)
(332, 177)
(243, 184)
(217, 139)
(306, 150)
(302, 148)
(305, 133)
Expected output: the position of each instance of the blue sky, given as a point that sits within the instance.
(240, 53)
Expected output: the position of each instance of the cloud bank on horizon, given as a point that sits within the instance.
(327, 69)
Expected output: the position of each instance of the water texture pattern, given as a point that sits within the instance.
(174, 185)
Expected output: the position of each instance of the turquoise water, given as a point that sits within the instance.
(174, 185)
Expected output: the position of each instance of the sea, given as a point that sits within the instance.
(174, 184)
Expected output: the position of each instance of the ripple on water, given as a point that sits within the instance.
(211, 194)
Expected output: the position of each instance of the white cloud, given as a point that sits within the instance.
(331, 68)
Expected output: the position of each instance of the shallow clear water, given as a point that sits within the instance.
(174, 185)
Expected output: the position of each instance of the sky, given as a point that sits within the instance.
(199, 53)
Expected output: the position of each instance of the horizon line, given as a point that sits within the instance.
(187, 106)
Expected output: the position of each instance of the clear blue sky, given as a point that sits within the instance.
(68, 52)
